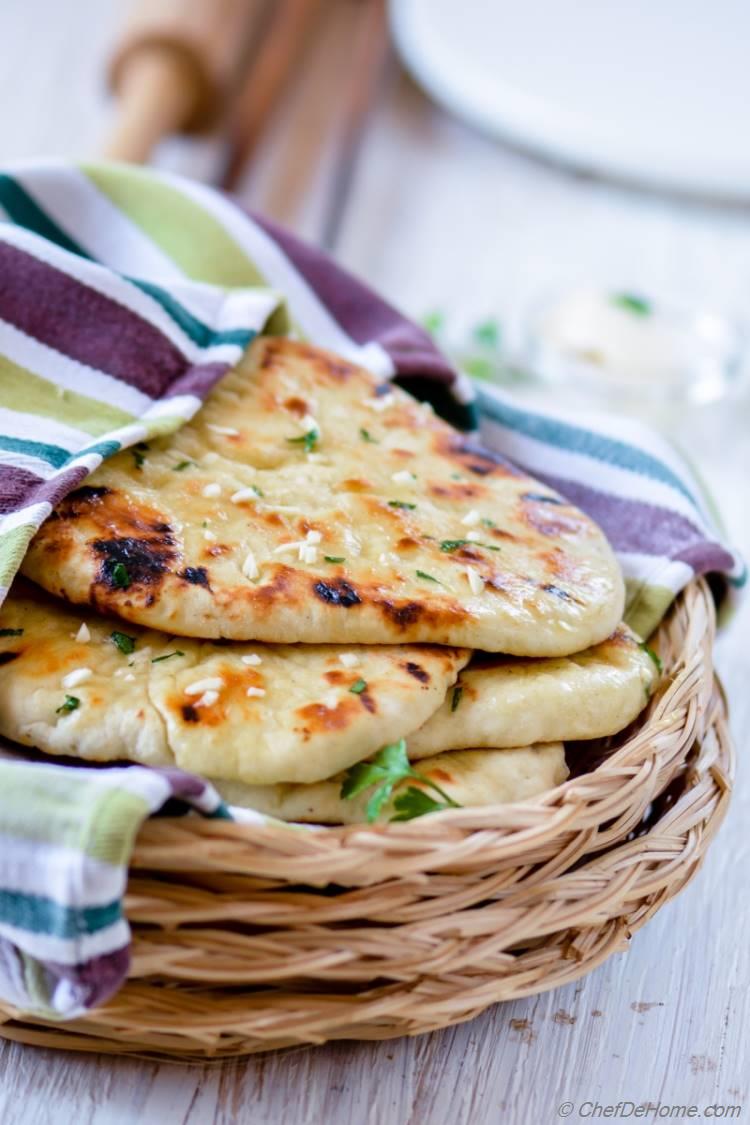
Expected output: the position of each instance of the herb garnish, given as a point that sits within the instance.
(124, 642)
(71, 704)
(309, 440)
(334, 558)
(456, 697)
(359, 686)
(257, 491)
(632, 303)
(182, 465)
(11, 632)
(167, 656)
(367, 436)
(120, 576)
(401, 504)
(139, 453)
(449, 545)
(427, 577)
(389, 766)
(488, 523)
(656, 659)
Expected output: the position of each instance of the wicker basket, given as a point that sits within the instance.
(247, 938)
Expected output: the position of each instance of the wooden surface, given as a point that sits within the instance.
(436, 216)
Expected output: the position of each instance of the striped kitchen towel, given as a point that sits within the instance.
(124, 295)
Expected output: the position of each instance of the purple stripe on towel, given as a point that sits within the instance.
(93, 981)
(361, 313)
(19, 487)
(74, 319)
(636, 526)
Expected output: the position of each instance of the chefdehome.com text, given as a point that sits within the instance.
(626, 1110)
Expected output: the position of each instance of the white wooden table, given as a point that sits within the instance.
(440, 217)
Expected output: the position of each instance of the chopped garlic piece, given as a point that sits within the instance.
(84, 634)
(250, 566)
(476, 582)
(255, 692)
(473, 536)
(349, 659)
(243, 494)
(308, 553)
(380, 403)
(471, 518)
(308, 423)
(207, 699)
(210, 457)
(212, 490)
(330, 700)
(227, 431)
(76, 677)
(353, 544)
(209, 536)
(251, 658)
(313, 537)
(129, 677)
(284, 547)
(403, 476)
(389, 558)
(209, 683)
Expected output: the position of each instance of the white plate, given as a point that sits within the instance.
(653, 90)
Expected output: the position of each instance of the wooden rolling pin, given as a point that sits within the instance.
(173, 68)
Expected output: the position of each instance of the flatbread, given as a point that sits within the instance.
(470, 777)
(394, 528)
(301, 721)
(502, 701)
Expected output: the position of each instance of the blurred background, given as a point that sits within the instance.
(560, 193)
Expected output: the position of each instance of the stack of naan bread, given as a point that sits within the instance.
(315, 568)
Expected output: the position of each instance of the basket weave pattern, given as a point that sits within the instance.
(249, 938)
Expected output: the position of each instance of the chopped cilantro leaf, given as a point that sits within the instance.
(415, 802)
(167, 656)
(456, 697)
(334, 558)
(632, 303)
(487, 334)
(390, 766)
(139, 453)
(71, 704)
(309, 440)
(120, 576)
(178, 468)
(401, 504)
(358, 686)
(427, 577)
(367, 436)
(124, 642)
(257, 491)
(11, 632)
(448, 545)
(488, 523)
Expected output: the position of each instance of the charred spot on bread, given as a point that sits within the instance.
(196, 576)
(7, 657)
(189, 713)
(337, 592)
(145, 560)
(417, 671)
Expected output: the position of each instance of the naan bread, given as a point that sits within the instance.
(502, 701)
(470, 777)
(392, 528)
(259, 713)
